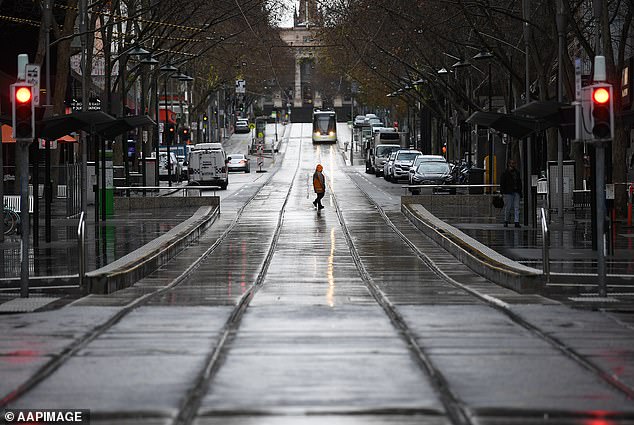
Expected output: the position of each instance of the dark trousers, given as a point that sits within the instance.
(318, 200)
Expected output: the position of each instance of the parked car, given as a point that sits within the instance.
(359, 120)
(242, 126)
(402, 162)
(238, 162)
(433, 173)
(422, 158)
(379, 157)
(387, 168)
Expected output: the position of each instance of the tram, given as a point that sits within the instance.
(324, 126)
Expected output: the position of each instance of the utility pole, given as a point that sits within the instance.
(530, 216)
(83, 27)
(600, 75)
(352, 131)
(562, 24)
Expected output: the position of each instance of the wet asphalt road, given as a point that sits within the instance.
(345, 325)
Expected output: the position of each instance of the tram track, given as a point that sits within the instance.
(189, 408)
(81, 342)
(457, 411)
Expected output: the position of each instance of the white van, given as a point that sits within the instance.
(207, 165)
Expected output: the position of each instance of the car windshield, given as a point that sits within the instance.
(438, 167)
(407, 156)
(386, 150)
(236, 156)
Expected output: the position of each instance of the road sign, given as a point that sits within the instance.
(251, 126)
(241, 86)
(33, 77)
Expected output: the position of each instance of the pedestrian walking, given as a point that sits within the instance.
(511, 188)
(319, 184)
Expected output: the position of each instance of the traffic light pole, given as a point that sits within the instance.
(167, 139)
(600, 207)
(23, 165)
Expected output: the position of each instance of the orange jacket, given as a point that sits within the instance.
(319, 182)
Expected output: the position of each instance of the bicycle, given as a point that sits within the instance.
(11, 221)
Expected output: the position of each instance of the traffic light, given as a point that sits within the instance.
(602, 115)
(169, 133)
(23, 111)
(205, 120)
(185, 136)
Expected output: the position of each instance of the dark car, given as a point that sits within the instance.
(433, 173)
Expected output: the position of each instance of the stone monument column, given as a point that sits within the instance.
(297, 102)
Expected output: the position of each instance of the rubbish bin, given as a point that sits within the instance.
(476, 176)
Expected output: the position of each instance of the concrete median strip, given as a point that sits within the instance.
(132, 267)
(477, 256)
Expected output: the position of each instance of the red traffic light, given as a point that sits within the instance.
(23, 94)
(601, 95)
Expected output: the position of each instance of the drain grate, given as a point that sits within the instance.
(25, 305)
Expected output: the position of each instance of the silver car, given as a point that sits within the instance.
(402, 163)
(380, 156)
(238, 162)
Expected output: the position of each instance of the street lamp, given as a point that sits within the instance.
(461, 63)
(135, 51)
(185, 79)
(486, 55)
(443, 72)
(168, 70)
(149, 61)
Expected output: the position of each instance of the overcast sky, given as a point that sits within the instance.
(287, 21)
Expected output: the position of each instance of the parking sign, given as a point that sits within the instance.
(33, 78)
